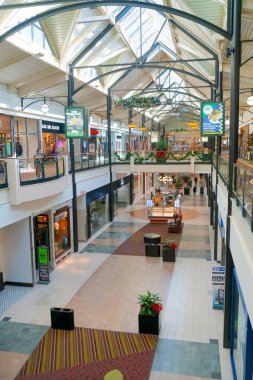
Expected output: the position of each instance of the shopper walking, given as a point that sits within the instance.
(196, 180)
(194, 190)
(201, 191)
(37, 162)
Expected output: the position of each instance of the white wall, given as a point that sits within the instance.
(242, 253)
(15, 251)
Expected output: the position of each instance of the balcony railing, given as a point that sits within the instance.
(243, 189)
(160, 157)
(3, 175)
(86, 161)
(40, 169)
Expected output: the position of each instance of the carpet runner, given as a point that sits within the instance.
(134, 246)
(89, 354)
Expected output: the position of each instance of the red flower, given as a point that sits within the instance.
(157, 307)
(173, 246)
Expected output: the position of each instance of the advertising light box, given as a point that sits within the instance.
(75, 122)
(212, 119)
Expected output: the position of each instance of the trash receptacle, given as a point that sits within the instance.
(62, 318)
(152, 244)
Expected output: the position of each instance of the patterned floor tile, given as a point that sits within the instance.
(10, 295)
(195, 254)
(20, 337)
(114, 235)
(94, 248)
(187, 358)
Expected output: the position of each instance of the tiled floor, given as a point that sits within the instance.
(102, 288)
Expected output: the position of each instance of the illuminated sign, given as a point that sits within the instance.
(212, 119)
(75, 122)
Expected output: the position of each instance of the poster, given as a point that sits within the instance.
(43, 264)
(212, 119)
(218, 281)
(75, 122)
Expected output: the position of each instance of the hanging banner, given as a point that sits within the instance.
(75, 122)
(212, 119)
(43, 265)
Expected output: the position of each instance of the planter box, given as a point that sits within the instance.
(169, 255)
(1, 281)
(186, 191)
(149, 324)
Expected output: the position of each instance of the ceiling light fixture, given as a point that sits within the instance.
(250, 99)
(45, 107)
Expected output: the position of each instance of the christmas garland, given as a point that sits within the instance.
(138, 102)
(175, 156)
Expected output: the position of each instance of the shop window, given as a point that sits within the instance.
(61, 231)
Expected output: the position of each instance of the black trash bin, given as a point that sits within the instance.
(152, 244)
(62, 318)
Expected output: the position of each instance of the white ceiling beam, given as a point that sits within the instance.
(84, 20)
(41, 84)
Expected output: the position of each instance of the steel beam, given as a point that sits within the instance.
(100, 3)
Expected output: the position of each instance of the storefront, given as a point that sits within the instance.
(51, 230)
(53, 138)
(97, 202)
(121, 193)
(27, 137)
(242, 336)
(5, 136)
(62, 236)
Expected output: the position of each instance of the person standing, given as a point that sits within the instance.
(196, 180)
(37, 162)
(194, 190)
(201, 191)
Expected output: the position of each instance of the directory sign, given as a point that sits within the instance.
(75, 122)
(212, 119)
(43, 264)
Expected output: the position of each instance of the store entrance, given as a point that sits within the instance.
(41, 235)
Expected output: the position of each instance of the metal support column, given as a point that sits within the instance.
(72, 164)
(111, 198)
(218, 152)
(233, 155)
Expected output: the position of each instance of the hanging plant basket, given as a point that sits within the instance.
(138, 102)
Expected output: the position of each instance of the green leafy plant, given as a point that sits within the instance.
(150, 303)
(138, 102)
(161, 145)
(178, 183)
(171, 244)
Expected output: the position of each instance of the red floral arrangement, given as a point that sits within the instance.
(150, 303)
(169, 244)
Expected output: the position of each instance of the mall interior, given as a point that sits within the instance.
(126, 167)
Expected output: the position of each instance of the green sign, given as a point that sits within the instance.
(43, 255)
(75, 122)
(212, 119)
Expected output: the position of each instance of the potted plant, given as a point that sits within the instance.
(161, 148)
(169, 250)
(149, 314)
(178, 184)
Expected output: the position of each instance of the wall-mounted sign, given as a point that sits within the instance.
(218, 281)
(212, 119)
(75, 122)
(52, 127)
(43, 264)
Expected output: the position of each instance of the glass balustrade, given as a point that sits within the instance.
(40, 169)
(3, 175)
